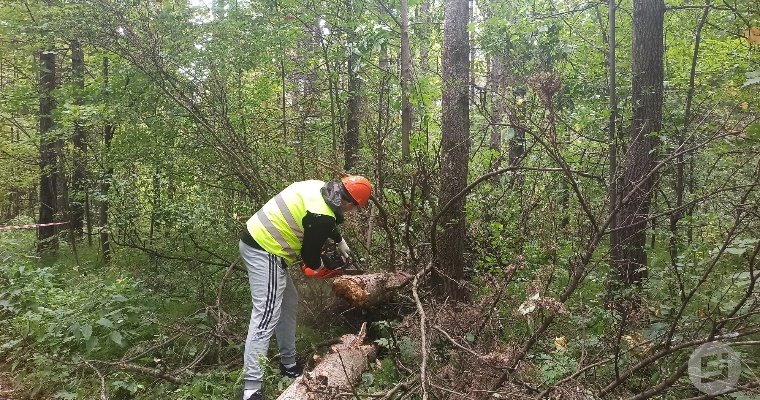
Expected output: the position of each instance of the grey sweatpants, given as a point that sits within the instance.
(275, 304)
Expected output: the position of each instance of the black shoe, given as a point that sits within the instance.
(292, 372)
(257, 395)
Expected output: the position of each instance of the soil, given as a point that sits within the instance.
(8, 390)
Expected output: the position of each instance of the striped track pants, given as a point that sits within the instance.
(275, 305)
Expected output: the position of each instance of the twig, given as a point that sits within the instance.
(149, 349)
(103, 389)
(571, 377)
(750, 386)
(401, 385)
(665, 352)
(224, 280)
(423, 333)
(454, 342)
(142, 370)
(345, 372)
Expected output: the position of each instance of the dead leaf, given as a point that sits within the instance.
(753, 35)
(560, 343)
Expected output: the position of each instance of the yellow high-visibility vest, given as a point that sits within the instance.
(278, 226)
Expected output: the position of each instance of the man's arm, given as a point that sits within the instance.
(317, 228)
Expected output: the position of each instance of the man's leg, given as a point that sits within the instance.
(267, 282)
(286, 326)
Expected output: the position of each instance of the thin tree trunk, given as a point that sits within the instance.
(155, 204)
(637, 182)
(282, 85)
(516, 117)
(48, 205)
(105, 183)
(497, 101)
(88, 217)
(455, 148)
(424, 19)
(383, 122)
(471, 45)
(406, 79)
(351, 148)
(333, 91)
(611, 132)
(80, 150)
(497, 88)
(680, 162)
(307, 101)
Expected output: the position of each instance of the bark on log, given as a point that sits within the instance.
(368, 289)
(337, 372)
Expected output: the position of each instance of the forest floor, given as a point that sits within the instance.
(8, 389)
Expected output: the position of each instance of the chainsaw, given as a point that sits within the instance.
(332, 259)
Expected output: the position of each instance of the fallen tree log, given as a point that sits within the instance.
(368, 289)
(337, 372)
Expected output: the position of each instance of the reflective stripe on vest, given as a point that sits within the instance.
(278, 226)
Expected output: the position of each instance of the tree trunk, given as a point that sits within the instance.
(406, 79)
(423, 16)
(612, 129)
(496, 79)
(333, 90)
(681, 178)
(338, 371)
(383, 124)
(455, 148)
(516, 118)
(78, 176)
(155, 205)
(46, 235)
(638, 180)
(471, 45)
(368, 289)
(351, 150)
(105, 183)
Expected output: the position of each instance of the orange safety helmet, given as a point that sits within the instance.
(358, 187)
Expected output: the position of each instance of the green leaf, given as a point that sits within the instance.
(116, 338)
(64, 395)
(752, 77)
(469, 337)
(753, 131)
(92, 343)
(86, 332)
(105, 322)
(368, 378)
(655, 330)
(736, 250)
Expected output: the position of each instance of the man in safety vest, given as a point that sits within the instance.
(293, 225)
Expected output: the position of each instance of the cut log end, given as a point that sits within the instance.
(368, 289)
(352, 290)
